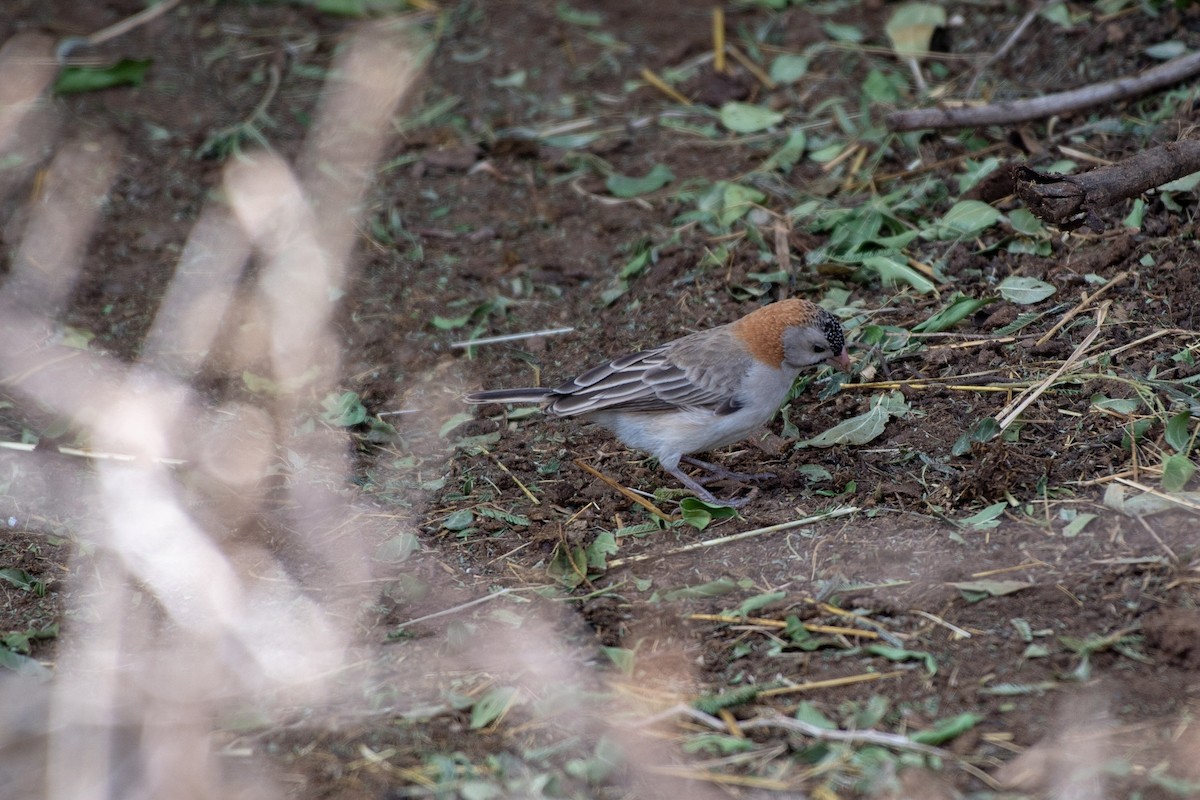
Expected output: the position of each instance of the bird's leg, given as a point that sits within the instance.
(704, 494)
(720, 473)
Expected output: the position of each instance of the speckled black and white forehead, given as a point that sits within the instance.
(831, 326)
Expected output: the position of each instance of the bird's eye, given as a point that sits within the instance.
(820, 348)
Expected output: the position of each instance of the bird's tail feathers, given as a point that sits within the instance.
(529, 395)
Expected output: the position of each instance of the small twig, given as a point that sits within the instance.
(512, 337)
(970, 387)
(516, 480)
(1087, 300)
(892, 740)
(1138, 342)
(888, 636)
(1151, 490)
(64, 48)
(958, 632)
(454, 609)
(831, 683)
(98, 455)
(1008, 44)
(1001, 570)
(1154, 534)
(783, 249)
(718, 35)
(641, 501)
(231, 131)
(1010, 413)
(658, 83)
(751, 67)
(1158, 77)
(783, 526)
(833, 630)
(681, 710)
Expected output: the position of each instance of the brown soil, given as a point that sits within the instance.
(470, 213)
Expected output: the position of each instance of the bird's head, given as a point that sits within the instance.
(794, 333)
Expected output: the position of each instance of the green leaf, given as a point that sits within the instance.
(603, 546)
(1118, 405)
(477, 444)
(911, 28)
(716, 588)
(717, 744)
(1177, 471)
(748, 118)
(988, 518)
(814, 473)
(1165, 51)
(343, 410)
(947, 729)
(843, 33)
(1058, 14)
(1136, 432)
(1018, 689)
(477, 789)
(126, 72)
(807, 712)
(736, 202)
(959, 309)
(900, 654)
(459, 520)
(711, 704)
(491, 706)
(1024, 222)
(965, 218)
(1144, 505)
(1023, 290)
(788, 68)
(461, 418)
(786, 156)
(74, 337)
(259, 384)
(516, 520)
(974, 591)
(398, 548)
(622, 658)
(893, 271)
(700, 515)
(22, 665)
(982, 431)
(864, 427)
(625, 186)
(1187, 183)
(449, 323)
(1178, 433)
(752, 604)
(573, 16)
(1137, 214)
(23, 580)
(1076, 526)
(883, 87)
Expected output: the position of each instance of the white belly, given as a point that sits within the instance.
(667, 435)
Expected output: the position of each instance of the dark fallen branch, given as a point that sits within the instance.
(1068, 201)
(1039, 107)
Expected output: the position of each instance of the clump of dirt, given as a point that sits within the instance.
(1175, 632)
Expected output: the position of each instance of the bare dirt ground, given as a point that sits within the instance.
(969, 618)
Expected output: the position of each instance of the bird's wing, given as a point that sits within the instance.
(693, 372)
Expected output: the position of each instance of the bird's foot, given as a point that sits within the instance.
(717, 472)
(705, 496)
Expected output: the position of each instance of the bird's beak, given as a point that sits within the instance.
(840, 361)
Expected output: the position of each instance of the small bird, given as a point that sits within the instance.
(700, 392)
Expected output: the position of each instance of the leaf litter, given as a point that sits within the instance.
(878, 557)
